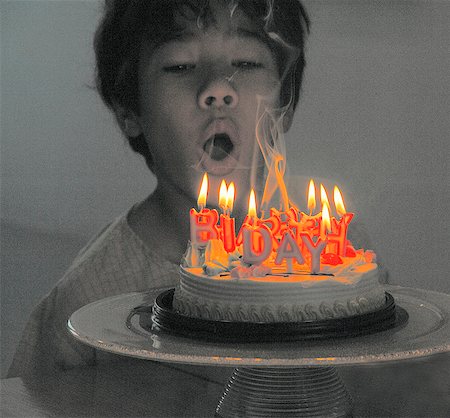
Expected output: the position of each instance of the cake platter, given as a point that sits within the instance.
(293, 378)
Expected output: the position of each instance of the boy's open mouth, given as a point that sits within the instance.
(218, 146)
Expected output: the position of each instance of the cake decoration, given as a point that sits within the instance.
(284, 238)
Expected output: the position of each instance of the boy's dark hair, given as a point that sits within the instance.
(125, 23)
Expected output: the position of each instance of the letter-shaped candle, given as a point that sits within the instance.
(274, 225)
(203, 224)
(315, 251)
(257, 243)
(288, 250)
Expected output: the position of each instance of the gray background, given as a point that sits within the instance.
(374, 118)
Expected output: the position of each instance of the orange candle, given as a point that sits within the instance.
(227, 223)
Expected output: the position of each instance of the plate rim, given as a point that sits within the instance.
(152, 352)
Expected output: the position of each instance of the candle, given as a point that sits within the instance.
(250, 218)
(223, 196)
(283, 221)
(315, 251)
(337, 240)
(325, 224)
(257, 243)
(311, 197)
(252, 206)
(290, 251)
(230, 197)
(227, 223)
(203, 193)
(203, 224)
(338, 201)
(256, 237)
(309, 224)
(274, 225)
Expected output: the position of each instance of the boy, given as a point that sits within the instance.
(185, 80)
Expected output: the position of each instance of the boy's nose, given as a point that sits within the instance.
(219, 93)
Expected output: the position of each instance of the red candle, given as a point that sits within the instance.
(325, 222)
(311, 197)
(337, 240)
(227, 223)
(250, 219)
(203, 224)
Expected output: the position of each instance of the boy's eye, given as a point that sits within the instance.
(247, 65)
(179, 68)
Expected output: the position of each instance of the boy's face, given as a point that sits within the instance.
(198, 98)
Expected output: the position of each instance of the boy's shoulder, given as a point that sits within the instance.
(114, 235)
(117, 261)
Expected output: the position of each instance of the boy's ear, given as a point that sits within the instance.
(128, 121)
(287, 119)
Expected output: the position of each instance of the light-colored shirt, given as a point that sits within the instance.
(116, 261)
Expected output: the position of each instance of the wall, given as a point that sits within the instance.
(65, 166)
(374, 119)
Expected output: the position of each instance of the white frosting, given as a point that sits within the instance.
(280, 297)
(225, 288)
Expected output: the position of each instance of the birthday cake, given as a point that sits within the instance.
(290, 267)
(267, 293)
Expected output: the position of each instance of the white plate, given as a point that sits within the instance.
(102, 324)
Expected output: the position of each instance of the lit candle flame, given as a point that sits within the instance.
(230, 197)
(223, 196)
(201, 201)
(326, 217)
(339, 202)
(324, 197)
(252, 205)
(311, 197)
